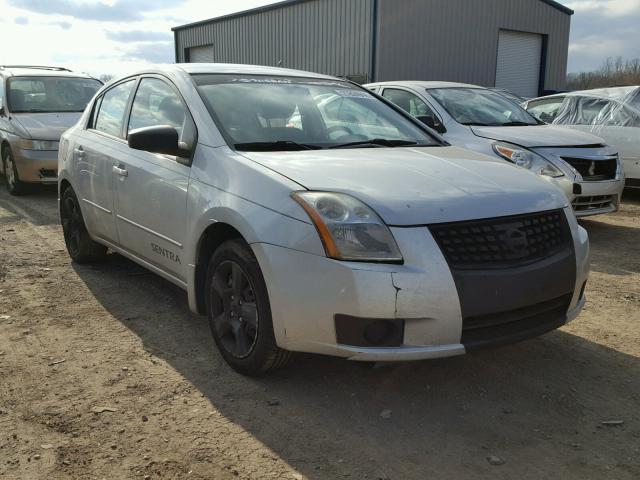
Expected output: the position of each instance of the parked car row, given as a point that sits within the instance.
(302, 212)
(610, 113)
(586, 169)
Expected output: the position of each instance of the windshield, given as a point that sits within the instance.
(478, 106)
(50, 94)
(288, 113)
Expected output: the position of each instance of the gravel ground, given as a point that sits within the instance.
(105, 374)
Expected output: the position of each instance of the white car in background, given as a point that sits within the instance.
(482, 120)
(610, 113)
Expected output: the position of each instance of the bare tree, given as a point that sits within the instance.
(613, 72)
(106, 77)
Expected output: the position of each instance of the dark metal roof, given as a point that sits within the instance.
(286, 3)
(559, 6)
(244, 13)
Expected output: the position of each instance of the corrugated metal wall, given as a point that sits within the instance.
(456, 40)
(327, 36)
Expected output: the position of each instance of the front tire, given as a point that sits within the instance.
(15, 186)
(239, 311)
(81, 248)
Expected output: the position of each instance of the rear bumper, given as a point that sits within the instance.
(37, 166)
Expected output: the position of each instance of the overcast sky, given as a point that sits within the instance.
(113, 36)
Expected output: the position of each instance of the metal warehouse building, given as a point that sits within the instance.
(520, 45)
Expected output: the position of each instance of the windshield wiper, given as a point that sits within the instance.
(33, 110)
(278, 146)
(518, 124)
(478, 124)
(378, 142)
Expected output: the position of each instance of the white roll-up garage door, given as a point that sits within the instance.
(201, 54)
(519, 57)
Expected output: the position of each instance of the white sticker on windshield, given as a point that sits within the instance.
(262, 80)
(352, 93)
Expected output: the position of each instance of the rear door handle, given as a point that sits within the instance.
(121, 171)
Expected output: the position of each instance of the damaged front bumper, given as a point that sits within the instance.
(379, 312)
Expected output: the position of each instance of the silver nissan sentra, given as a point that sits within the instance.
(353, 231)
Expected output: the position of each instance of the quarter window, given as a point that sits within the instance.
(545, 110)
(156, 103)
(113, 106)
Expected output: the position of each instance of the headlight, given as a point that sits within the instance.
(527, 159)
(349, 229)
(28, 144)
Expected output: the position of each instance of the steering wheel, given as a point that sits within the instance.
(338, 128)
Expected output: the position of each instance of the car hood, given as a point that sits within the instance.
(419, 186)
(46, 126)
(538, 136)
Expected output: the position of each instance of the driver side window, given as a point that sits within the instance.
(156, 103)
(409, 102)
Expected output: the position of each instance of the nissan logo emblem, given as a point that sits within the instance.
(514, 238)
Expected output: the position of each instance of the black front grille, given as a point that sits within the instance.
(515, 325)
(502, 242)
(594, 170)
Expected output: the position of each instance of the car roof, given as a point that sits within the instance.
(425, 84)
(613, 93)
(618, 93)
(231, 68)
(23, 71)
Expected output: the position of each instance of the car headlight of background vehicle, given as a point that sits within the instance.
(348, 228)
(29, 144)
(527, 159)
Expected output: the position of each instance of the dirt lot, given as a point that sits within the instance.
(114, 339)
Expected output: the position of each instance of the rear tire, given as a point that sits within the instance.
(240, 313)
(81, 248)
(15, 186)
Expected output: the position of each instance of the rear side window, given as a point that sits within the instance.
(589, 110)
(113, 106)
(156, 103)
(622, 116)
(634, 102)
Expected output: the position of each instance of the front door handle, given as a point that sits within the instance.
(79, 152)
(121, 171)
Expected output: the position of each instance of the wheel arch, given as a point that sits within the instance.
(63, 185)
(213, 236)
(5, 144)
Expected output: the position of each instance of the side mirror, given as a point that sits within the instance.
(431, 122)
(162, 139)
